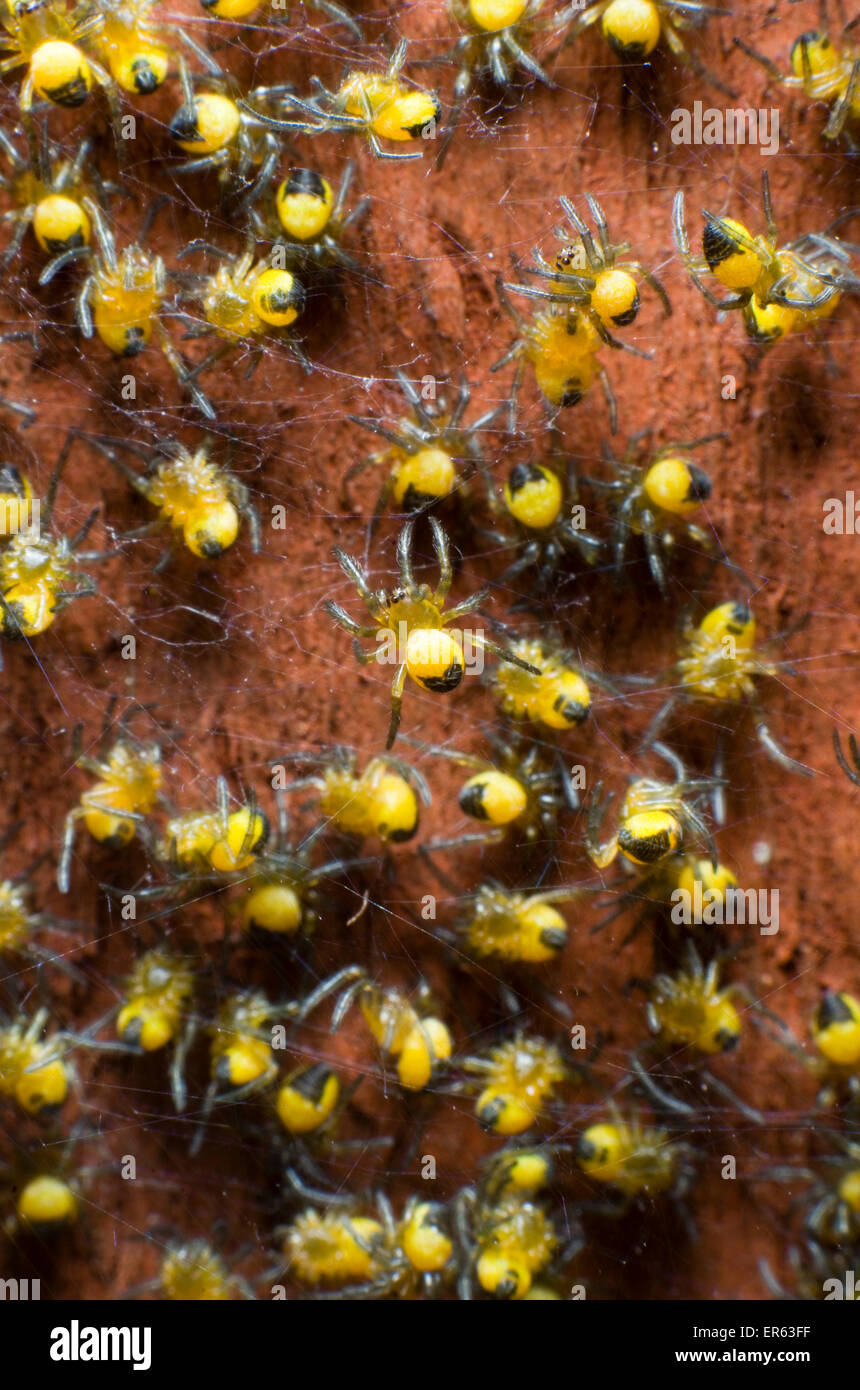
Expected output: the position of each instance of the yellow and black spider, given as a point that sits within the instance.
(634, 28)
(718, 665)
(599, 280)
(496, 40)
(655, 496)
(308, 220)
(379, 105)
(432, 452)
(779, 290)
(40, 572)
(216, 128)
(541, 496)
(411, 625)
(823, 70)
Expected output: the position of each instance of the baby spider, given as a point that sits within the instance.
(562, 348)
(241, 1064)
(155, 1013)
(379, 105)
(543, 501)
(509, 1244)
(655, 819)
(197, 497)
(779, 290)
(518, 1078)
(832, 1200)
(308, 1104)
(718, 665)
(122, 296)
(505, 1236)
(691, 898)
(368, 1257)
(497, 924)
(246, 302)
(412, 621)
(132, 45)
(127, 788)
(201, 847)
(49, 194)
(46, 37)
(691, 1016)
(518, 794)
(822, 70)
(634, 1160)
(406, 1033)
(310, 221)
(497, 39)
(654, 494)
(836, 1035)
(280, 888)
(307, 1099)
(546, 686)
(598, 281)
(42, 1186)
(382, 799)
(193, 1271)
(432, 454)
(633, 29)
(220, 133)
(34, 1070)
(39, 571)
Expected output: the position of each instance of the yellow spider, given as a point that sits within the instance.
(411, 624)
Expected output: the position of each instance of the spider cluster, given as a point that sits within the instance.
(228, 931)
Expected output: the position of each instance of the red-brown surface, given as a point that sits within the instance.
(274, 674)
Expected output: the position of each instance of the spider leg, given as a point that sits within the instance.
(498, 66)
(778, 754)
(354, 572)
(599, 219)
(526, 60)
(338, 13)
(583, 232)
(443, 555)
(610, 397)
(464, 395)
(661, 1098)
(853, 773)
(396, 704)
(404, 554)
(467, 606)
(652, 550)
(654, 283)
(841, 111)
(347, 975)
(495, 650)
(341, 616)
(415, 401)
